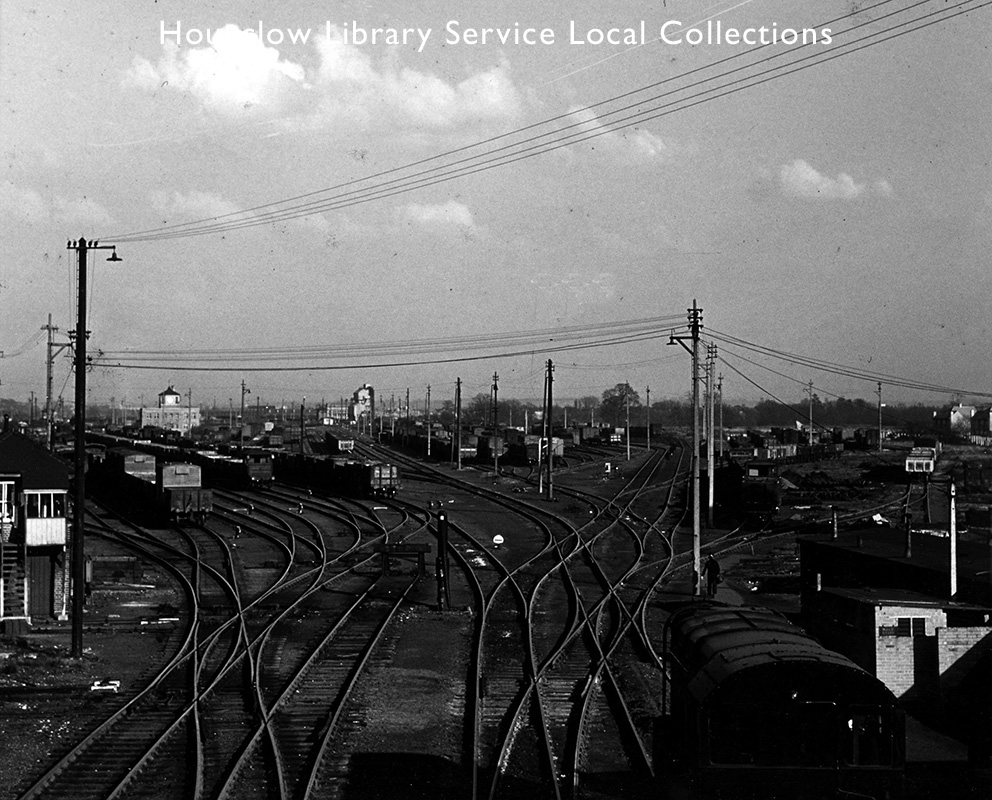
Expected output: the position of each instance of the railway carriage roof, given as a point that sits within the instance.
(715, 645)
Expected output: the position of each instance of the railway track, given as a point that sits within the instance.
(290, 617)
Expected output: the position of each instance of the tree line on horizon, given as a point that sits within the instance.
(611, 409)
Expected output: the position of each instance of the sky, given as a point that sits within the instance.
(842, 213)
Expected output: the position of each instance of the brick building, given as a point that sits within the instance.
(890, 608)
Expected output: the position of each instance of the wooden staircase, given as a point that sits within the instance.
(13, 596)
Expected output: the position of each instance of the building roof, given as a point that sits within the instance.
(38, 468)
(900, 597)
(169, 391)
(881, 544)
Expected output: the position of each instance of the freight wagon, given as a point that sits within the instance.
(161, 492)
(761, 489)
(338, 444)
(246, 469)
(339, 475)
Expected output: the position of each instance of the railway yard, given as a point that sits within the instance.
(301, 644)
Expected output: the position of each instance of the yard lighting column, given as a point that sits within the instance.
(82, 247)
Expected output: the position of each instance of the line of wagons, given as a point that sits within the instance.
(171, 483)
(151, 488)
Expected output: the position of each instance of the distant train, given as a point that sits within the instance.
(237, 469)
(160, 491)
(337, 445)
(758, 709)
(339, 474)
(761, 489)
(244, 469)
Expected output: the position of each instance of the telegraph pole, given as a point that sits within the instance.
(495, 426)
(428, 420)
(458, 422)
(648, 394)
(53, 350)
(550, 429)
(719, 391)
(303, 432)
(244, 391)
(880, 404)
(82, 247)
(710, 419)
(626, 403)
(695, 323)
(810, 437)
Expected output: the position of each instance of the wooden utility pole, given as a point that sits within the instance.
(626, 403)
(550, 430)
(82, 247)
(458, 422)
(648, 395)
(53, 350)
(719, 391)
(695, 323)
(496, 442)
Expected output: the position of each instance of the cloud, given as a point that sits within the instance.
(193, 205)
(349, 82)
(234, 71)
(450, 213)
(632, 142)
(30, 205)
(237, 71)
(800, 179)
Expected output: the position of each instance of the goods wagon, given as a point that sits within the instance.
(339, 475)
(139, 483)
(338, 443)
(244, 469)
(761, 489)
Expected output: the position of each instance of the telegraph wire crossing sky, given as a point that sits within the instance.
(824, 200)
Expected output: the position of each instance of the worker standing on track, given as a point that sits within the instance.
(711, 571)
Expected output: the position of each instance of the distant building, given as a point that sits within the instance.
(980, 422)
(362, 404)
(955, 419)
(170, 414)
(34, 506)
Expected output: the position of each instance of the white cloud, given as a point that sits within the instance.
(349, 82)
(800, 179)
(193, 205)
(632, 142)
(31, 206)
(234, 71)
(450, 213)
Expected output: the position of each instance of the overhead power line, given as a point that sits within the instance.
(369, 355)
(834, 368)
(570, 130)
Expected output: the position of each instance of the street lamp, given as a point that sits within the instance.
(82, 247)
